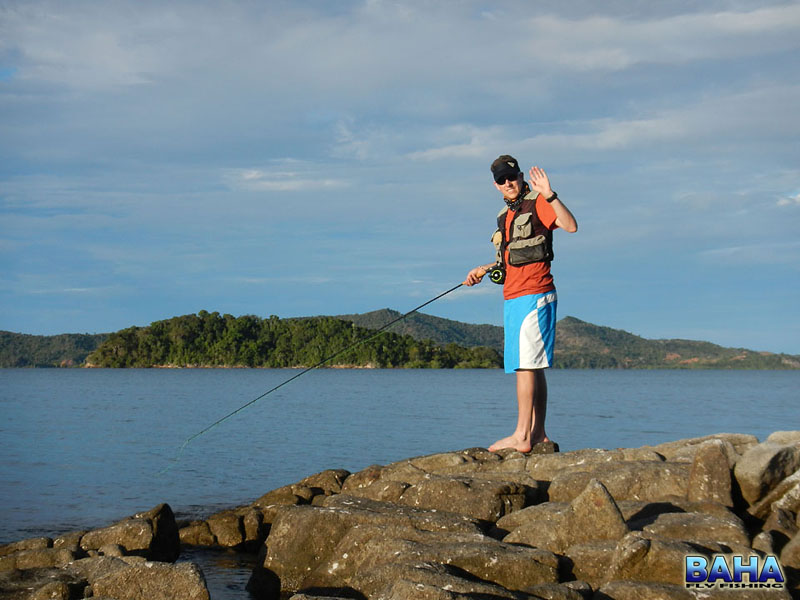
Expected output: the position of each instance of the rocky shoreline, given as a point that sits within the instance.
(589, 524)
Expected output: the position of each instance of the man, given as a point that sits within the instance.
(524, 250)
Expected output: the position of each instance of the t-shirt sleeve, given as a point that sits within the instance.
(546, 213)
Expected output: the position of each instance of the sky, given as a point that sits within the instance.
(310, 158)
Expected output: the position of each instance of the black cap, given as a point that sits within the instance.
(505, 166)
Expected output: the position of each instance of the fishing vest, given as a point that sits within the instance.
(527, 239)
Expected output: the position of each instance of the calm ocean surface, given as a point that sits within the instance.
(82, 448)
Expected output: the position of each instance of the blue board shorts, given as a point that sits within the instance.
(529, 325)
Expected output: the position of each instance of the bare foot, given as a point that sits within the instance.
(511, 442)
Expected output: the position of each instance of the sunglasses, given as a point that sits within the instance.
(503, 178)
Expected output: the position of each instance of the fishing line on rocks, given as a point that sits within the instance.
(298, 375)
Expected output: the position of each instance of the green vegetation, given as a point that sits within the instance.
(582, 345)
(208, 339)
(211, 340)
(65, 350)
(424, 327)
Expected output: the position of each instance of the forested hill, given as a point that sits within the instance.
(214, 340)
(209, 339)
(422, 326)
(582, 345)
(63, 350)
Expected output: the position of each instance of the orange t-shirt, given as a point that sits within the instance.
(533, 278)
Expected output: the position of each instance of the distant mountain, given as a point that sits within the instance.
(64, 350)
(582, 345)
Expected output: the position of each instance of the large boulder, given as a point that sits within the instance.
(785, 496)
(483, 499)
(629, 480)
(153, 581)
(710, 478)
(324, 483)
(685, 450)
(591, 516)
(638, 558)
(433, 581)
(39, 543)
(641, 590)
(700, 529)
(547, 466)
(365, 548)
(36, 559)
(152, 534)
(763, 467)
(303, 537)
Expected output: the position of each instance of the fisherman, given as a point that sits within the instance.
(523, 241)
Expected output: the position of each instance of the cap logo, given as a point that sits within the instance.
(511, 164)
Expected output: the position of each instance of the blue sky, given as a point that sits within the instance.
(293, 158)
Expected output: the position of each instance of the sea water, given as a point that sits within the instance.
(82, 448)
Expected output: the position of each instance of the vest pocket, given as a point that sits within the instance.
(522, 252)
(523, 227)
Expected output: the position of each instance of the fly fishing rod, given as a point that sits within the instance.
(303, 372)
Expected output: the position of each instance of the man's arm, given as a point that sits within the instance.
(540, 183)
(476, 274)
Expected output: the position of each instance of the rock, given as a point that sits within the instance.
(630, 480)
(36, 559)
(557, 591)
(427, 581)
(303, 537)
(55, 590)
(790, 555)
(153, 581)
(90, 569)
(324, 483)
(699, 528)
(197, 533)
(152, 534)
(684, 450)
(365, 548)
(69, 541)
(112, 550)
(591, 516)
(546, 467)
(315, 597)
(658, 560)
(763, 543)
(784, 438)
(710, 477)
(482, 499)
(227, 528)
(39, 543)
(590, 562)
(785, 495)
(41, 584)
(548, 511)
(594, 515)
(763, 467)
(639, 590)
(781, 526)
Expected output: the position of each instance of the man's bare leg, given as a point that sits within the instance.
(521, 438)
(538, 434)
(531, 413)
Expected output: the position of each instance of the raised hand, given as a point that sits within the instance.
(539, 182)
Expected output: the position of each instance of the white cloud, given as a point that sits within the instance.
(371, 47)
(280, 179)
(610, 44)
(790, 200)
